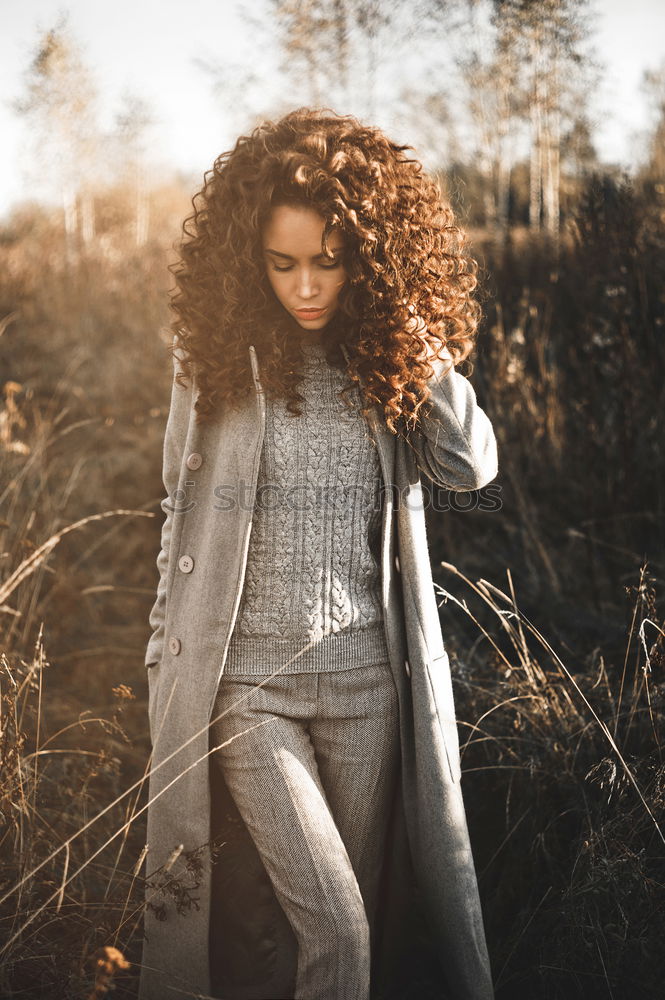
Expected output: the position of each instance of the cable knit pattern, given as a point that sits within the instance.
(312, 571)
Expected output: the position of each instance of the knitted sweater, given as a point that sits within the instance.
(312, 571)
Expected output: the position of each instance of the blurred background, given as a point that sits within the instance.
(545, 124)
(516, 101)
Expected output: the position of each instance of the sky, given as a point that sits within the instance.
(150, 47)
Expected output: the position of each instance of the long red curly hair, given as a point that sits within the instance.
(409, 278)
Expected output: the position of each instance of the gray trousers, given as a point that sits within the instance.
(313, 784)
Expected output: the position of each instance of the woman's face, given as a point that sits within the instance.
(305, 281)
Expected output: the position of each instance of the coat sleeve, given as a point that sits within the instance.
(454, 442)
(175, 437)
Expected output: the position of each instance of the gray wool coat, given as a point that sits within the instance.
(201, 565)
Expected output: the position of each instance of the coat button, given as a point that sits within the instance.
(407, 667)
(186, 564)
(194, 461)
(174, 645)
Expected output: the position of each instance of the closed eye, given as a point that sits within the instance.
(324, 267)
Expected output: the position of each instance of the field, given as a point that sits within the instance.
(551, 604)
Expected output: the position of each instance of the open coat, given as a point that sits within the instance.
(201, 567)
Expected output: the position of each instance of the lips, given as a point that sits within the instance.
(310, 313)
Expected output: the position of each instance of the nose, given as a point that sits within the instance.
(306, 284)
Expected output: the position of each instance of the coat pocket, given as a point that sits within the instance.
(442, 690)
(153, 687)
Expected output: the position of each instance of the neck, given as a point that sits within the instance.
(314, 338)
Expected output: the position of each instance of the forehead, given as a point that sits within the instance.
(297, 227)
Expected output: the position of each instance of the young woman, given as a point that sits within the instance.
(324, 297)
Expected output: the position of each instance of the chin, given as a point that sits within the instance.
(314, 326)
(305, 330)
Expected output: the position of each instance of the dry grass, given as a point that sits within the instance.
(565, 779)
(551, 605)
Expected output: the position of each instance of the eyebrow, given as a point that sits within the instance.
(319, 256)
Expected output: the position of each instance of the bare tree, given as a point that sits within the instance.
(133, 124)
(306, 30)
(484, 71)
(60, 107)
(524, 78)
(331, 48)
(653, 87)
(491, 100)
(546, 40)
(342, 54)
(373, 18)
(244, 89)
(427, 119)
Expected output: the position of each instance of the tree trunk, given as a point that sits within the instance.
(553, 157)
(70, 211)
(502, 195)
(87, 217)
(535, 170)
(142, 207)
(536, 164)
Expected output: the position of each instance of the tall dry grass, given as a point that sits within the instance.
(551, 605)
(565, 778)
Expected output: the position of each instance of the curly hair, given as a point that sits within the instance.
(409, 285)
